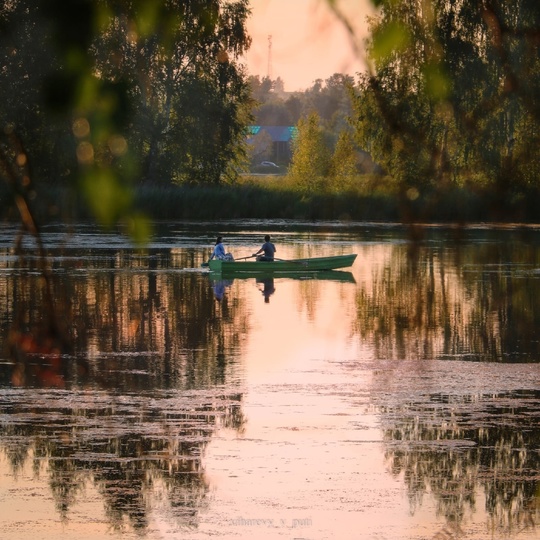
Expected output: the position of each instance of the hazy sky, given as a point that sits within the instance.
(308, 41)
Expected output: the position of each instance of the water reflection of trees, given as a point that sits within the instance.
(472, 301)
(467, 301)
(449, 445)
(131, 405)
(136, 451)
(132, 317)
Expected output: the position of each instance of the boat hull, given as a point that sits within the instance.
(286, 266)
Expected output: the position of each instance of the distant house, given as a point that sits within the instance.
(280, 137)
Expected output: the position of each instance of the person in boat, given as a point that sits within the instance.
(268, 249)
(219, 251)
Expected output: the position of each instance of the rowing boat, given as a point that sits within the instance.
(281, 265)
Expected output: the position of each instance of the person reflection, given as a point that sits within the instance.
(219, 287)
(268, 288)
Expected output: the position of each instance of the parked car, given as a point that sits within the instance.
(266, 168)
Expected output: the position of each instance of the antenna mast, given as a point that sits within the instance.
(269, 68)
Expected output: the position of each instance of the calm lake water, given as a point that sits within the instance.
(397, 399)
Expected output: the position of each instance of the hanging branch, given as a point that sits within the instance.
(15, 170)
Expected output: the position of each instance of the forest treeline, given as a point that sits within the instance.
(103, 96)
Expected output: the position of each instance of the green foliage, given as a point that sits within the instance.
(390, 39)
(261, 148)
(262, 199)
(452, 94)
(343, 167)
(330, 101)
(367, 198)
(105, 94)
(311, 158)
(107, 197)
(189, 92)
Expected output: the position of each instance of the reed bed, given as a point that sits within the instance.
(260, 197)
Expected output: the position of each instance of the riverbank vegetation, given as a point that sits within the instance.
(374, 198)
(129, 109)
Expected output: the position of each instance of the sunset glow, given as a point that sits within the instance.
(308, 41)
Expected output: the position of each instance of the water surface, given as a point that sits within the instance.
(399, 398)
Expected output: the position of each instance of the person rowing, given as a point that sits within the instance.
(268, 249)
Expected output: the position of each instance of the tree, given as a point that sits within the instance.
(189, 92)
(28, 64)
(261, 89)
(451, 92)
(331, 99)
(343, 168)
(101, 94)
(273, 113)
(261, 147)
(311, 157)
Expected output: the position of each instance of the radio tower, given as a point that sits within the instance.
(269, 68)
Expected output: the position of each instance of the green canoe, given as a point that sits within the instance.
(279, 265)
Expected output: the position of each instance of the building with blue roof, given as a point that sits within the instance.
(281, 138)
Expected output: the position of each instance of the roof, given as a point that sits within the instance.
(278, 133)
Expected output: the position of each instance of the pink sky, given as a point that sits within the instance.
(308, 41)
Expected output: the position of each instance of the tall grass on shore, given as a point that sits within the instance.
(274, 197)
(372, 198)
(251, 200)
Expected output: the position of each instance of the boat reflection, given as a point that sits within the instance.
(327, 275)
(266, 281)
